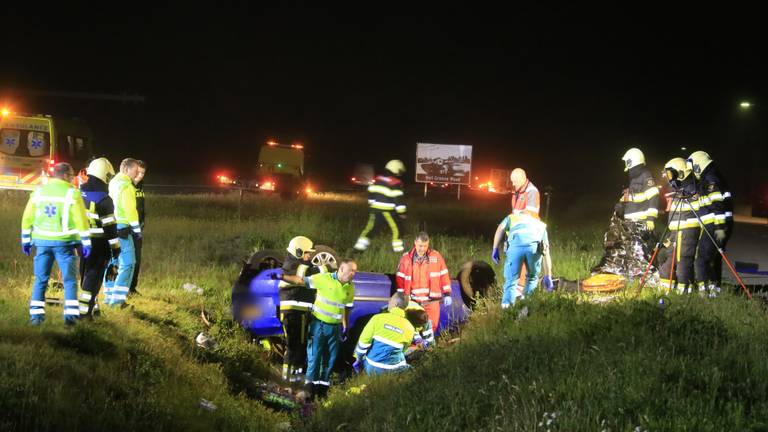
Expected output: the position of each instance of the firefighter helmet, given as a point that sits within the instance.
(632, 158)
(299, 245)
(102, 169)
(676, 170)
(699, 161)
(395, 166)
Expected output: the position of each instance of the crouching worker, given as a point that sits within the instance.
(382, 344)
(296, 305)
(527, 243)
(419, 318)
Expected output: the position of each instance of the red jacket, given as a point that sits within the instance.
(527, 199)
(425, 281)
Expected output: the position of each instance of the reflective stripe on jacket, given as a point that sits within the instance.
(123, 196)
(423, 281)
(332, 297)
(55, 211)
(384, 340)
(527, 200)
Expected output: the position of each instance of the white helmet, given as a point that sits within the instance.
(699, 160)
(299, 245)
(632, 158)
(101, 169)
(395, 166)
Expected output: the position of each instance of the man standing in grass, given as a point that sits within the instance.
(330, 320)
(123, 195)
(138, 241)
(527, 242)
(54, 221)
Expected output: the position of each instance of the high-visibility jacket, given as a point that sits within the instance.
(425, 280)
(641, 199)
(523, 229)
(123, 196)
(714, 198)
(297, 297)
(527, 199)
(55, 212)
(141, 207)
(100, 210)
(681, 210)
(425, 331)
(332, 297)
(385, 194)
(384, 340)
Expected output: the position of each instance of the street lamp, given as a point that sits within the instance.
(745, 105)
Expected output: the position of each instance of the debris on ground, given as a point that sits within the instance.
(192, 288)
(206, 342)
(207, 405)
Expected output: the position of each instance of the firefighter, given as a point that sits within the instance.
(684, 228)
(295, 306)
(123, 196)
(329, 322)
(423, 277)
(716, 212)
(527, 242)
(386, 207)
(103, 229)
(639, 202)
(54, 221)
(384, 340)
(138, 241)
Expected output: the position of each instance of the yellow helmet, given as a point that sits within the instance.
(699, 161)
(632, 158)
(299, 245)
(395, 166)
(101, 169)
(677, 169)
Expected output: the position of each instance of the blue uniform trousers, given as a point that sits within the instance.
(48, 251)
(516, 255)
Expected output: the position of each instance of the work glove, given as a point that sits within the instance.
(547, 282)
(447, 300)
(649, 225)
(85, 251)
(720, 236)
(26, 248)
(495, 255)
(357, 366)
(424, 344)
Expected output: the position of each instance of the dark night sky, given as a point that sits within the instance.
(562, 92)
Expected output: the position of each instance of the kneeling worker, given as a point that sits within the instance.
(384, 339)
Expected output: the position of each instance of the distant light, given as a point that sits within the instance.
(279, 165)
(272, 142)
(309, 190)
(477, 178)
(354, 179)
(683, 148)
(5, 112)
(297, 146)
(745, 105)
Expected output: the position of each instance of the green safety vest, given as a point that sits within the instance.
(332, 297)
(123, 195)
(55, 211)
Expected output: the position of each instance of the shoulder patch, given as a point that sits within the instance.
(650, 182)
(711, 187)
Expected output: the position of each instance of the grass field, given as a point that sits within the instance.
(697, 365)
